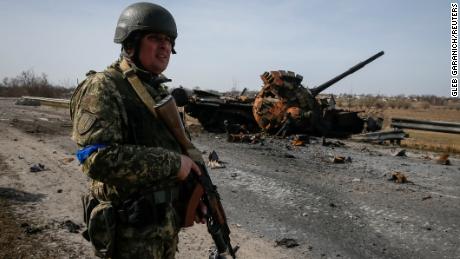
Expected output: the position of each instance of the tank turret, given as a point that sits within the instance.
(284, 105)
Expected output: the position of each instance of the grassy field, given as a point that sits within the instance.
(425, 140)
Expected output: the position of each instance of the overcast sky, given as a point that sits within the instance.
(225, 44)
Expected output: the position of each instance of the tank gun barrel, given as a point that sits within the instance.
(315, 91)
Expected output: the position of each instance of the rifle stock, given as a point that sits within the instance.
(197, 188)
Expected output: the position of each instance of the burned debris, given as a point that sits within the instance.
(300, 140)
(393, 136)
(30, 230)
(37, 168)
(287, 242)
(245, 138)
(443, 159)
(71, 226)
(398, 177)
(401, 153)
(341, 159)
(214, 162)
(336, 143)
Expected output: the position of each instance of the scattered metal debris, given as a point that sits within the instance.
(300, 140)
(394, 136)
(246, 138)
(341, 159)
(426, 198)
(374, 124)
(37, 168)
(287, 242)
(287, 155)
(71, 226)
(398, 177)
(297, 142)
(443, 159)
(213, 156)
(235, 128)
(214, 162)
(401, 152)
(336, 143)
(30, 230)
(27, 102)
(66, 160)
(365, 149)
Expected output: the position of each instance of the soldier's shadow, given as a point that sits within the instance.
(14, 195)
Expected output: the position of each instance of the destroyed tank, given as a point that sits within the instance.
(216, 112)
(284, 106)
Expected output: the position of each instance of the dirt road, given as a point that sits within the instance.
(270, 191)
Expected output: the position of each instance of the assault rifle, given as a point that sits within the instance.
(216, 220)
(197, 188)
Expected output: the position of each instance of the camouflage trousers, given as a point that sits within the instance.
(156, 241)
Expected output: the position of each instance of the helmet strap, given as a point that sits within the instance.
(134, 43)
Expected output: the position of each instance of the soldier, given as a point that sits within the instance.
(134, 162)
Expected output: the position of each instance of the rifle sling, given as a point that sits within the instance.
(138, 87)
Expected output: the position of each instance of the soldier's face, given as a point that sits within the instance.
(155, 50)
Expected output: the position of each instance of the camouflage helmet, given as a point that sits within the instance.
(145, 17)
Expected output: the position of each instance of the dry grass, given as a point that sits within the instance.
(434, 141)
(425, 140)
(435, 113)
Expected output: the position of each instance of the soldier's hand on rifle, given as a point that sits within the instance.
(186, 166)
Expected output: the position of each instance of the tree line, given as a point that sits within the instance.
(27, 83)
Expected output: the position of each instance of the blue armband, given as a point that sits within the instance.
(85, 152)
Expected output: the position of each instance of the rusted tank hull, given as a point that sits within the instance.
(215, 117)
(284, 107)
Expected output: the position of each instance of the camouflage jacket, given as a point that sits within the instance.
(140, 152)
